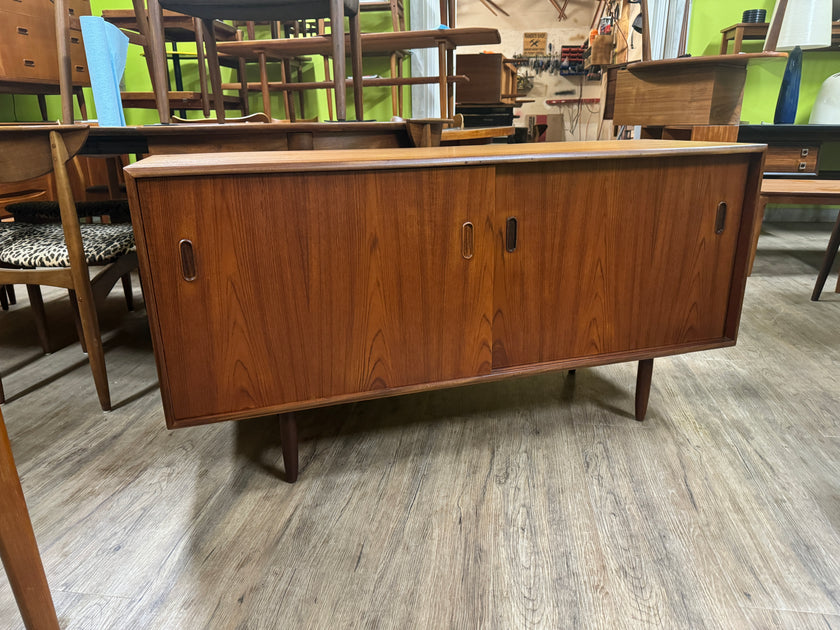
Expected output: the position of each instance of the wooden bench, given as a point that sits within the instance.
(820, 192)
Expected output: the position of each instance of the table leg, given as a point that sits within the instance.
(643, 379)
(289, 439)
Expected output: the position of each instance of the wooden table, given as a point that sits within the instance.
(209, 137)
(282, 281)
(740, 32)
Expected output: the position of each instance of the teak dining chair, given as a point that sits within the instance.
(59, 254)
(282, 10)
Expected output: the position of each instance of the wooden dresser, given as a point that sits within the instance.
(280, 281)
(28, 49)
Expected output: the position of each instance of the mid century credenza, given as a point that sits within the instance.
(280, 281)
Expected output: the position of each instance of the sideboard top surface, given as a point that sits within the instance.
(338, 160)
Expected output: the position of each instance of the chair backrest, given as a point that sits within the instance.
(26, 152)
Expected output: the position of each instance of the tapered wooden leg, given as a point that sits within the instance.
(10, 291)
(19, 549)
(36, 301)
(830, 254)
(356, 63)
(77, 320)
(289, 438)
(215, 70)
(2, 392)
(643, 378)
(127, 291)
(4, 300)
(93, 341)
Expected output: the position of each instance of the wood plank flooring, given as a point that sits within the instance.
(531, 503)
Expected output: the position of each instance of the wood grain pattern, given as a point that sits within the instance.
(300, 283)
(646, 268)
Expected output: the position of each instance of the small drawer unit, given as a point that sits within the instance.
(792, 159)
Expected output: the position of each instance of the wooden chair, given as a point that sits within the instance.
(59, 254)
(279, 10)
(19, 549)
(802, 192)
(397, 11)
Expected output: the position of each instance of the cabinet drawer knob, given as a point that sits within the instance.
(467, 240)
(720, 218)
(187, 260)
(511, 228)
(804, 152)
(29, 63)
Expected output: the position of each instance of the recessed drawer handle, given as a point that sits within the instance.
(29, 63)
(75, 40)
(720, 219)
(22, 30)
(467, 240)
(187, 260)
(511, 228)
(79, 68)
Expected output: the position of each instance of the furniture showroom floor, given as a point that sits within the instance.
(530, 503)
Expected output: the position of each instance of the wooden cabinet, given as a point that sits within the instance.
(279, 281)
(28, 48)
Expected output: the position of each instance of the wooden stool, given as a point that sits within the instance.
(820, 192)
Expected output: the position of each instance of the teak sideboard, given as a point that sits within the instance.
(280, 281)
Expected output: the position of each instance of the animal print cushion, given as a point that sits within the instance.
(48, 212)
(42, 245)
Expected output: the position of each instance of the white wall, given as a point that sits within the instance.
(540, 16)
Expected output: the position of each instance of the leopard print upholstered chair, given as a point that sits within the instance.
(59, 254)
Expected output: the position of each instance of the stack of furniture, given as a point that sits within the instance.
(489, 97)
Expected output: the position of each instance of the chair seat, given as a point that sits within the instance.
(42, 245)
(257, 10)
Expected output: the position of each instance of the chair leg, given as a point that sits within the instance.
(339, 62)
(19, 549)
(830, 254)
(356, 63)
(10, 291)
(215, 70)
(4, 298)
(93, 341)
(127, 291)
(77, 320)
(288, 99)
(2, 393)
(36, 301)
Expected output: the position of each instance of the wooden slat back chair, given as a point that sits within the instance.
(284, 11)
(397, 11)
(59, 254)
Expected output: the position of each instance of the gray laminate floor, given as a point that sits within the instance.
(531, 503)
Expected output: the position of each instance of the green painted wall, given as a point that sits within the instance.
(764, 78)
(20, 107)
